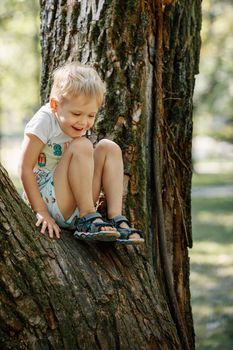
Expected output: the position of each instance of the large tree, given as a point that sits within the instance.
(75, 295)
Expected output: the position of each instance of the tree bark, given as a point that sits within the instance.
(75, 295)
(69, 294)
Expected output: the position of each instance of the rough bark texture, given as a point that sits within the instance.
(81, 296)
(70, 295)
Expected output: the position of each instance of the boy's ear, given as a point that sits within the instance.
(53, 104)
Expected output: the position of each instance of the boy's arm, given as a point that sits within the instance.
(31, 149)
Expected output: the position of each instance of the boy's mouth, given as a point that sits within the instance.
(77, 129)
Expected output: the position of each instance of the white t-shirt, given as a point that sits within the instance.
(45, 126)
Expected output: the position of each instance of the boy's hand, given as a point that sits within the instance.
(47, 222)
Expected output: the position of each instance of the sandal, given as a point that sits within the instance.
(88, 229)
(126, 232)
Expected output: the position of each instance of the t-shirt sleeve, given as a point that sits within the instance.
(40, 125)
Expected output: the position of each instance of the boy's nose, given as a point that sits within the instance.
(82, 121)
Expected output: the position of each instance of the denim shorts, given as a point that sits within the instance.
(47, 192)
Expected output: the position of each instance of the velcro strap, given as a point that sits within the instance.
(90, 217)
(126, 232)
(102, 224)
(119, 219)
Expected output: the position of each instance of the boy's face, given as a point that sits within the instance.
(75, 115)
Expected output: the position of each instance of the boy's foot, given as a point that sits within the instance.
(92, 227)
(128, 235)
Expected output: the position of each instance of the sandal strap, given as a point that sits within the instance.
(86, 223)
(118, 219)
(103, 223)
(126, 232)
(89, 217)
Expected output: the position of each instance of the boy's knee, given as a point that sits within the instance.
(108, 146)
(81, 145)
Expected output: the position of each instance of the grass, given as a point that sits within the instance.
(212, 267)
(207, 180)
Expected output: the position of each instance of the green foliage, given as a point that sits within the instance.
(19, 62)
(214, 87)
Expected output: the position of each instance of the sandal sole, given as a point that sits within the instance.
(103, 236)
(130, 241)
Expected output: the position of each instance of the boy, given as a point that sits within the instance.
(62, 174)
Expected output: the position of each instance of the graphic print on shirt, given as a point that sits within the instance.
(57, 150)
(42, 160)
(51, 155)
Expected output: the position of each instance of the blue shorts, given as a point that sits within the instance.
(47, 191)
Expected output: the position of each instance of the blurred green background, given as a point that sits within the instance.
(212, 198)
(19, 75)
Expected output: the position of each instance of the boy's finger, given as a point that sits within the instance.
(44, 226)
(39, 221)
(57, 232)
(50, 229)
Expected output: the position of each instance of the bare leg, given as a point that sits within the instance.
(108, 174)
(73, 179)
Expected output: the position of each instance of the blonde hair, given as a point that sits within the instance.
(73, 79)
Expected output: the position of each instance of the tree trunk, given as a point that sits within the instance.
(74, 295)
(69, 294)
